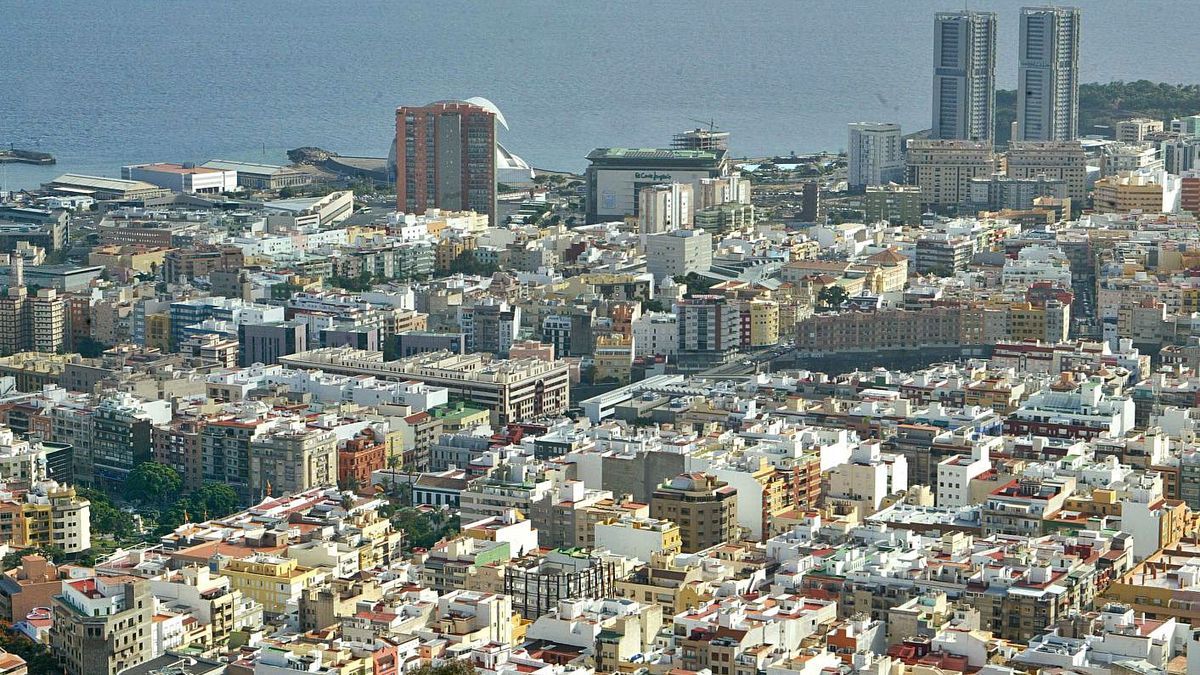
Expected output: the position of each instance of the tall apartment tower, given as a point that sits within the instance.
(666, 207)
(1048, 74)
(446, 158)
(964, 76)
(875, 154)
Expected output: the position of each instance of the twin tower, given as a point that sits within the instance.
(964, 75)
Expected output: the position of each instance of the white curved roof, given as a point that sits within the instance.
(490, 107)
(507, 160)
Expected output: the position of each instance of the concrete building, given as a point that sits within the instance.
(616, 176)
(942, 253)
(30, 585)
(274, 582)
(896, 204)
(1137, 192)
(677, 253)
(446, 157)
(328, 210)
(639, 538)
(955, 473)
(731, 189)
(183, 177)
(1018, 194)
(662, 208)
(944, 169)
(20, 226)
(704, 508)
(1054, 160)
(47, 514)
(292, 458)
(1048, 74)
(709, 329)
(613, 358)
(31, 323)
(210, 599)
(656, 333)
(1078, 411)
(964, 75)
(868, 478)
(102, 625)
(102, 188)
(700, 139)
(490, 326)
(875, 154)
(412, 342)
(1130, 157)
(266, 342)
(513, 390)
(121, 437)
(1189, 192)
(261, 176)
(1136, 130)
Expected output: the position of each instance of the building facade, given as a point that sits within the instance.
(964, 75)
(875, 154)
(446, 158)
(1048, 74)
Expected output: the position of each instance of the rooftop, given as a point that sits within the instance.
(101, 182)
(175, 168)
(656, 154)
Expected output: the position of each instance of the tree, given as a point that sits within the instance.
(38, 658)
(455, 667)
(832, 297)
(218, 499)
(468, 263)
(152, 483)
(54, 554)
(106, 517)
(423, 528)
(213, 500)
(653, 306)
(358, 284)
(90, 347)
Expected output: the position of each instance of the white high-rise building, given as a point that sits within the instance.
(875, 154)
(666, 207)
(964, 75)
(1048, 74)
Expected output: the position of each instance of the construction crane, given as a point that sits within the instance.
(712, 124)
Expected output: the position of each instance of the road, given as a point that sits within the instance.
(748, 363)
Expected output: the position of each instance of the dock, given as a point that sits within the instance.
(15, 156)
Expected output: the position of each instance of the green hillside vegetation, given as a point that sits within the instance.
(1102, 105)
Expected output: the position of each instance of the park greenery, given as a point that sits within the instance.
(423, 528)
(832, 297)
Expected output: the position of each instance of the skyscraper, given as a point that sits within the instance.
(875, 155)
(1048, 74)
(446, 158)
(964, 75)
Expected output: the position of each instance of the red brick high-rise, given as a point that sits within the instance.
(446, 158)
(1189, 196)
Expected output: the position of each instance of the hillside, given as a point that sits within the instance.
(1101, 105)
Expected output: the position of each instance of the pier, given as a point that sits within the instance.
(15, 156)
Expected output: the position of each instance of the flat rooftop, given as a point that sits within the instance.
(656, 154)
(101, 182)
(175, 168)
(243, 167)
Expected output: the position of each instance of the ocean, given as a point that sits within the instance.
(103, 84)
